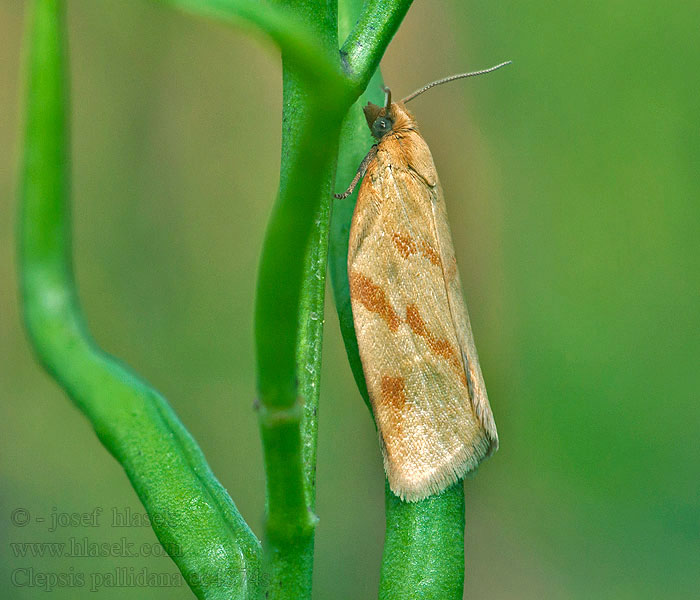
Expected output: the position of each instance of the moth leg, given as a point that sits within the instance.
(359, 175)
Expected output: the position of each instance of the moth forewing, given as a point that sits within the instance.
(460, 317)
(412, 328)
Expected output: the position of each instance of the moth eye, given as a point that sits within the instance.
(381, 126)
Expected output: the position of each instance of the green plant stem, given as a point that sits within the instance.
(365, 44)
(290, 293)
(192, 515)
(289, 433)
(355, 142)
(424, 547)
(424, 544)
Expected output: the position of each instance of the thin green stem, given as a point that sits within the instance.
(289, 304)
(192, 515)
(290, 293)
(424, 547)
(289, 311)
(356, 141)
(367, 41)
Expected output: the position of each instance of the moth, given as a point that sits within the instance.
(415, 340)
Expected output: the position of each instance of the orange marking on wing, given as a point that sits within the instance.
(406, 247)
(404, 244)
(438, 346)
(393, 408)
(430, 253)
(393, 392)
(373, 298)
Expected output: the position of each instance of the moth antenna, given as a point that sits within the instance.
(387, 91)
(362, 169)
(452, 78)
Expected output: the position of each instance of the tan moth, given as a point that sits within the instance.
(413, 332)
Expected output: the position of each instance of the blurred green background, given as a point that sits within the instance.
(573, 184)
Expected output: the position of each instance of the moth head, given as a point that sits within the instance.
(395, 117)
(379, 120)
